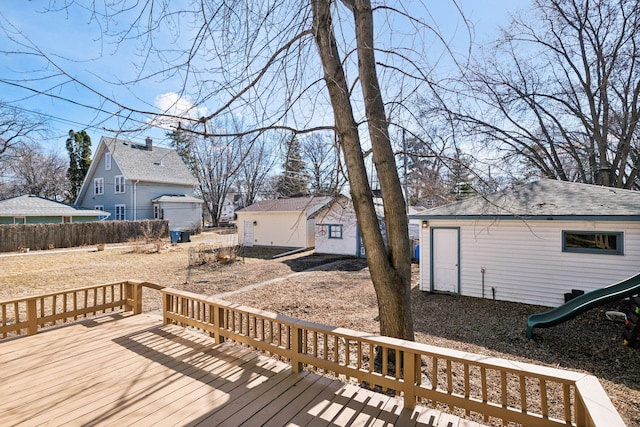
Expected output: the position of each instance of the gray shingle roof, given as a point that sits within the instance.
(161, 165)
(39, 206)
(310, 205)
(544, 198)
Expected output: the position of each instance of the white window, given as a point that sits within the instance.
(121, 212)
(66, 220)
(119, 184)
(107, 161)
(157, 212)
(19, 220)
(98, 186)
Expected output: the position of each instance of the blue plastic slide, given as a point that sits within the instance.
(582, 303)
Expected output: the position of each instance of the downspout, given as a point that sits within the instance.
(135, 199)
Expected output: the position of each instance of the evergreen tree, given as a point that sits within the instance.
(294, 181)
(79, 148)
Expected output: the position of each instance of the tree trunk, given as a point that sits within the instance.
(390, 267)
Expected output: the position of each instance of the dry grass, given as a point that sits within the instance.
(342, 295)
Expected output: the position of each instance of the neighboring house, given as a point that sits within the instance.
(129, 181)
(337, 230)
(38, 210)
(531, 244)
(285, 223)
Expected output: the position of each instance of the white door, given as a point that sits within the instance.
(248, 233)
(445, 259)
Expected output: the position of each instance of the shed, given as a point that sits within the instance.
(337, 230)
(30, 209)
(533, 243)
(284, 223)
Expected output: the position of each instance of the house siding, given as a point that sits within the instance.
(337, 215)
(279, 229)
(137, 197)
(524, 262)
(182, 216)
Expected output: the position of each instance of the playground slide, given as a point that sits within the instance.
(582, 303)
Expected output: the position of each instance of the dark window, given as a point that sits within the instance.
(335, 231)
(591, 242)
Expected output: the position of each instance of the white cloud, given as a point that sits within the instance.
(172, 106)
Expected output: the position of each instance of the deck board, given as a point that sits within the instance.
(132, 370)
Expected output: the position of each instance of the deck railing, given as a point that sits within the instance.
(26, 316)
(466, 383)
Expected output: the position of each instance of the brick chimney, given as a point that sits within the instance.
(149, 142)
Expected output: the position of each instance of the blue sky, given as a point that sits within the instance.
(72, 39)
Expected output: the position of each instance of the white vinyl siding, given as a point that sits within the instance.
(278, 229)
(119, 184)
(523, 261)
(121, 212)
(98, 186)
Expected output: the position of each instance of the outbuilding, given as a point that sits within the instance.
(531, 244)
(337, 230)
(282, 223)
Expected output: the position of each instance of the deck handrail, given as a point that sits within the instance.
(545, 396)
(28, 315)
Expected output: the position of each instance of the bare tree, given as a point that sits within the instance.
(323, 161)
(215, 162)
(16, 126)
(30, 170)
(254, 170)
(561, 91)
(299, 67)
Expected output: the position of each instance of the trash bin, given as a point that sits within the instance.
(175, 236)
(185, 237)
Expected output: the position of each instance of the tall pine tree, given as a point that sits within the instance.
(294, 181)
(79, 148)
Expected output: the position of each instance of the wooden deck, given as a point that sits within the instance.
(131, 370)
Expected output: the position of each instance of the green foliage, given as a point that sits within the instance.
(182, 143)
(79, 149)
(294, 181)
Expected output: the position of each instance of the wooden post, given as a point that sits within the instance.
(410, 375)
(166, 305)
(32, 317)
(137, 298)
(128, 296)
(218, 323)
(296, 348)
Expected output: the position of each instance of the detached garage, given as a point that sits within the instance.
(283, 223)
(531, 244)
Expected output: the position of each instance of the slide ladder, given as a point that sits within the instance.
(631, 333)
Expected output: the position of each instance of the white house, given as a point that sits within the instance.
(285, 223)
(531, 244)
(140, 181)
(337, 231)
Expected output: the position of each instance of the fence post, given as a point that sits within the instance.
(32, 317)
(409, 378)
(166, 306)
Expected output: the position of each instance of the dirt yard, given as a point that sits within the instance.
(341, 294)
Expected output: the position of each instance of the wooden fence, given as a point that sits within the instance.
(49, 236)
